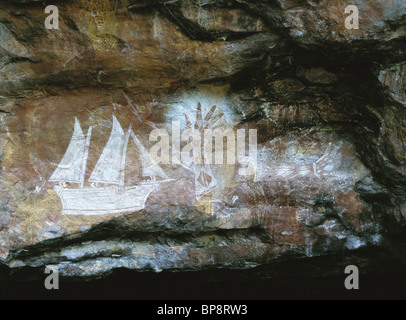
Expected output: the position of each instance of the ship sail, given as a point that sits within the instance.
(109, 168)
(149, 167)
(73, 164)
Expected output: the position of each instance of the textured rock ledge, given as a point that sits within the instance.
(327, 103)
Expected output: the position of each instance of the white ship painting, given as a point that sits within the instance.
(106, 192)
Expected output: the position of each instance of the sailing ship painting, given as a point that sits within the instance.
(107, 192)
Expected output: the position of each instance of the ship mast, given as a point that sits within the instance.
(85, 158)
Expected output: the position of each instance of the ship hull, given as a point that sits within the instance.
(104, 200)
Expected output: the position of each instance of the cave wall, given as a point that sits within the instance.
(327, 104)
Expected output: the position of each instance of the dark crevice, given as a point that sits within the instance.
(191, 29)
(110, 231)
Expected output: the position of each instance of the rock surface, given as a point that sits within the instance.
(328, 104)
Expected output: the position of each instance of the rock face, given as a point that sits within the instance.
(108, 158)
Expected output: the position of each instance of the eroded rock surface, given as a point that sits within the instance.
(79, 107)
